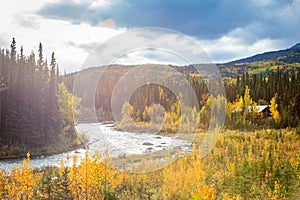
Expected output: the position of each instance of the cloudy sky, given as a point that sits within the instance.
(226, 29)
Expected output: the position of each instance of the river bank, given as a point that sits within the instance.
(104, 137)
(62, 146)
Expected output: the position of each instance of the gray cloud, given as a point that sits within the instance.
(66, 10)
(251, 26)
(87, 47)
(27, 21)
(205, 19)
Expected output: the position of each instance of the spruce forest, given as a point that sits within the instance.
(34, 106)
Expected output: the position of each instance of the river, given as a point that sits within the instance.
(104, 137)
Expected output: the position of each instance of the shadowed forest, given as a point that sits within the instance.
(36, 108)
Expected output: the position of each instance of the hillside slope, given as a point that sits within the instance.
(290, 55)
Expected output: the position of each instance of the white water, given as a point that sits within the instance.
(104, 137)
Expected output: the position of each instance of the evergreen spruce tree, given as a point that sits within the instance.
(30, 118)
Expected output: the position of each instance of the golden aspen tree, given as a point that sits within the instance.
(247, 98)
(3, 184)
(247, 103)
(161, 93)
(68, 105)
(74, 177)
(273, 108)
(23, 181)
(204, 192)
(146, 113)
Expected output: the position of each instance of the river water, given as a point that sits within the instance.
(104, 137)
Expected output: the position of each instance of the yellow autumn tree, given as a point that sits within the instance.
(204, 192)
(3, 184)
(248, 102)
(23, 181)
(247, 98)
(68, 106)
(273, 108)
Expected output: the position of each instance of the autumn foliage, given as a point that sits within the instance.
(243, 165)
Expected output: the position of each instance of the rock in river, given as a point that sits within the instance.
(147, 143)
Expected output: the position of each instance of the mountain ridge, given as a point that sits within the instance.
(289, 55)
(264, 62)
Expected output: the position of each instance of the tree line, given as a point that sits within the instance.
(281, 85)
(34, 105)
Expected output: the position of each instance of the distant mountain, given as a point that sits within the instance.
(291, 55)
(263, 63)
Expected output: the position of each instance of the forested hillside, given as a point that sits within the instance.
(263, 63)
(34, 106)
(290, 55)
(280, 84)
